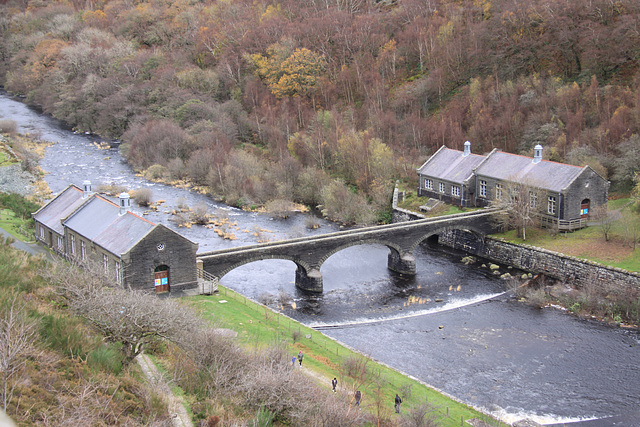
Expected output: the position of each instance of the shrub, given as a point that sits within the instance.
(142, 196)
(155, 172)
(66, 335)
(8, 126)
(200, 215)
(105, 358)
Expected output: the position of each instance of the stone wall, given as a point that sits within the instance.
(402, 215)
(570, 269)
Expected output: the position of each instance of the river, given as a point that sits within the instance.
(451, 326)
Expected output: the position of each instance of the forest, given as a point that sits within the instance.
(329, 102)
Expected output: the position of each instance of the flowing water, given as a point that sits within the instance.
(451, 326)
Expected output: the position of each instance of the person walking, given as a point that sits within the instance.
(300, 357)
(358, 397)
(398, 403)
(334, 383)
(293, 361)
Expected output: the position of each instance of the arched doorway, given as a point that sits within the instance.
(584, 208)
(161, 278)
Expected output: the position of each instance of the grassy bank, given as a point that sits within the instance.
(589, 243)
(257, 325)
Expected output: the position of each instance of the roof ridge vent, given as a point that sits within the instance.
(467, 149)
(125, 203)
(86, 189)
(537, 153)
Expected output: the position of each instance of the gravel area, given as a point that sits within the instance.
(14, 180)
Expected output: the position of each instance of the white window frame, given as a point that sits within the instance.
(551, 205)
(483, 188)
(83, 250)
(60, 244)
(41, 228)
(72, 244)
(105, 263)
(498, 191)
(428, 184)
(442, 188)
(533, 200)
(455, 191)
(118, 272)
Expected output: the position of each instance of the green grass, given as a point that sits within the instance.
(21, 229)
(412, 202)
(6, 159)
(258, 326)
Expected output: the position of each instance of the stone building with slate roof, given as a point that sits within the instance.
(448, 176)
(568, 193)
(139, 254)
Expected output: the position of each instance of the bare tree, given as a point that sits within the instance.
(522, 201)
(631, 227)
(605, 220)
(17, 334)
(424, 414)
(132, 318)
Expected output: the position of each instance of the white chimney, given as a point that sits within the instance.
(467, 149)
(125, 203)
(537, 153)
(87, 189)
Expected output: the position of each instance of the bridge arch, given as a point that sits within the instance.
(300, 264)
(476, 232)
(392, 247)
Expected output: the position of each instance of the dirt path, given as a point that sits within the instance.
(179, 415)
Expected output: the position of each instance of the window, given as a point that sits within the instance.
(483, 188)
(105, 263)
(442, 187)
(551, 205)
(41, 232)
(118, 273)
(72, 244)
(533, 200)
(428, 184)
(60, 244)
(455, 191)
(83, 250)
(498, 191)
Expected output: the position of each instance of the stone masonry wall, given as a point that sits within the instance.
(536, 260)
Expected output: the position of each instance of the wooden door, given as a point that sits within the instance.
(162, 279)
(584, 208)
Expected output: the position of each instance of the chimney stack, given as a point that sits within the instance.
(537, 153)
(125, 203)
(467, 149)
(87, 189)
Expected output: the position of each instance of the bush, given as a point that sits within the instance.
(105, 358)
(66, 335)
(8, 126)
(200, 215)
(155, 172)
(142, 196)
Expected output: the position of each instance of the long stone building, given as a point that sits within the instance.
(564, 195)
(79, 224)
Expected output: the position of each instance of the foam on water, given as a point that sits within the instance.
(451, 305)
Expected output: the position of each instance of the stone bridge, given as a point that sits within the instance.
(308, 253)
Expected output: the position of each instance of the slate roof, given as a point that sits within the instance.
(52, 214)
(513, 167)
(450, 165)
(98, 220)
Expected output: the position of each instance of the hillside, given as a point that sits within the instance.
(327, 102)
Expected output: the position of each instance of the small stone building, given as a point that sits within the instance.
(138, 254)
(565, 195)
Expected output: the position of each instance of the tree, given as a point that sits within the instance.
(17, 335)
(132, 318)
(522, 203)
(605, 220)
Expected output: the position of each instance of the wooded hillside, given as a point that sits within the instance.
(329, 101)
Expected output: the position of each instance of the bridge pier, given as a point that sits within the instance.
(403, 264)
(309, 281)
